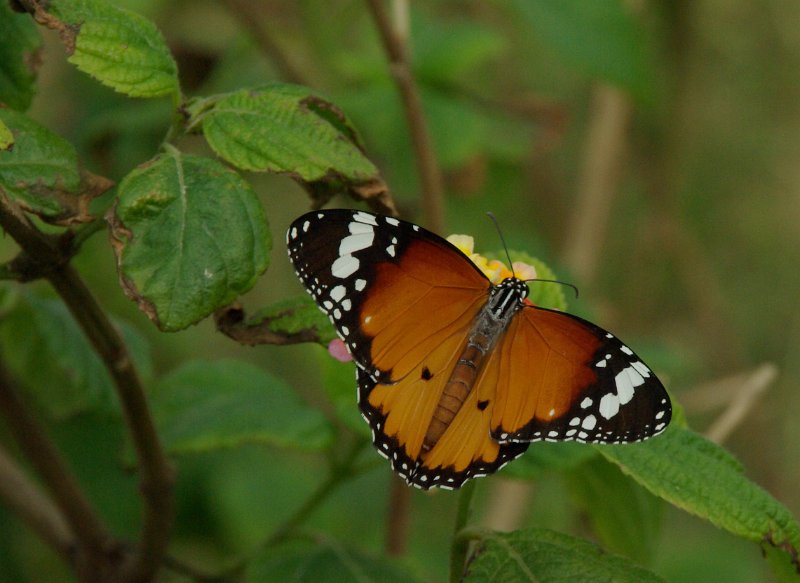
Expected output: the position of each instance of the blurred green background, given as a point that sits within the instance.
(648, 151)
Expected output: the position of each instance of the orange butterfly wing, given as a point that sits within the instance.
(564, 378)
(406, 301)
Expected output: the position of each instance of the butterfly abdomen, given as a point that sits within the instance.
(490, 324)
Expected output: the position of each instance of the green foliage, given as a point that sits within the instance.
(18, 52)
(535, 554)
(601, 39)
(692, 473)
(625, 516)
(205, 406)
(190, 237)
(39, 165)
(283, 128)
(117, 47)
(6, 137)
(294, 315)
(323, 560)
(43, 345)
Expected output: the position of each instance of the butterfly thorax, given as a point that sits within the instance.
(505, 300)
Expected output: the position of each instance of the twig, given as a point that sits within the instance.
(157, 474)
(397, 522)
(95, 544)
(431, 181)
(24, 498)
(599, 181)
(250, 15)
(509, 499)
(744, 397)
(232, 322)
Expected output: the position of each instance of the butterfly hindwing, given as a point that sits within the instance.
(565, 378)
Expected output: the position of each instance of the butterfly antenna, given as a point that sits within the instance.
(574, 287)
(502, 240)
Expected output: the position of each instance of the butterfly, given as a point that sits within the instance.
(457, 376)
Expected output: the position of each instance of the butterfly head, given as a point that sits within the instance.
(507, 297)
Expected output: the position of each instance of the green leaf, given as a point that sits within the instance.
(20, 44)
(692, 473)
(210, 405)
(545, 456)
(328, 560)
(600, 38)
(40, 172)
(190, 237)
(6, 137)
(45, 348)
(117, 47)
(545, 556)
(447, 54)
(286, 129)
(295, 314)
(625, 516)
(339, 381)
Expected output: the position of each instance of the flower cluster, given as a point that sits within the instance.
(495, 270)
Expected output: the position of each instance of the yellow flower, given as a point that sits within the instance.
(465, 243)
(495, 270)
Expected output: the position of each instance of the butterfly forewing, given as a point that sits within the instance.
(406, 303)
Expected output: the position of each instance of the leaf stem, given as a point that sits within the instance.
(431, 182)
(460, 545)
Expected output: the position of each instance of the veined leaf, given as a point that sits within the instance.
(692, 473)
(117, 47)
(211, 405)
(190, 236)
(536, 554)
(288, 129)
(40, 172)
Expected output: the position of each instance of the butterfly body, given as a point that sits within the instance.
(505, 300)
(457, 376)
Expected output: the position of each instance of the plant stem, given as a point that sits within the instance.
(431, 182)
(397, 522)
(95, 544)
(157, 474)
(25, 499)
(460, 545)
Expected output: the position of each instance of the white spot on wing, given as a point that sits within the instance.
(626, 350)
(353, 243)
(587, 402)
(361, 284)
(338, 292)
(344, 266)
(589, 422)
(305, 226)
(392, 221)
(390, 250)
(363, 217)
(609, 405)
